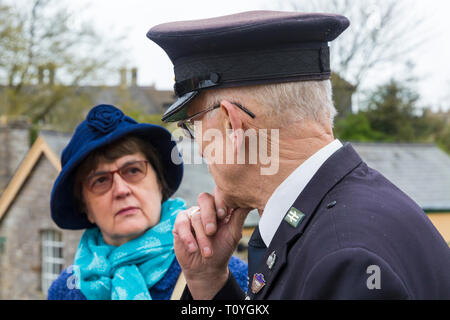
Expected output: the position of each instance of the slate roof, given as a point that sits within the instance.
(422, 171)
(148, 98)
(56, 140)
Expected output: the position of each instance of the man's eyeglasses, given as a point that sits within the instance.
(188, 124)
(101, 182)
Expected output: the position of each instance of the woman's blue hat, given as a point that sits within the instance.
(105, 124)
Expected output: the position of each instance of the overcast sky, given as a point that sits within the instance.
(134, 18)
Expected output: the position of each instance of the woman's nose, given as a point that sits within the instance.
(120, 187)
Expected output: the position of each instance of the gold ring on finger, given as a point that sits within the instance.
(193, 211)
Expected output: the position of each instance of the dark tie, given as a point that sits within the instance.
(256, 249)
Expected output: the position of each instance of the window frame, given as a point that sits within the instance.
(52, 257)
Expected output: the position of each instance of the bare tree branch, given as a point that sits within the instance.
(380, 32)
(41, 35)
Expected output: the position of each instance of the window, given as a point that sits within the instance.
(52, 257)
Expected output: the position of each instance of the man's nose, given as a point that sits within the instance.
(120, 187)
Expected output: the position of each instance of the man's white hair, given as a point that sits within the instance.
(281, 104)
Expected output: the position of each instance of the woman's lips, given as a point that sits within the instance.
(127, 211)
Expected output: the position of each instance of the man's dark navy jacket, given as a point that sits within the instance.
(361, 238)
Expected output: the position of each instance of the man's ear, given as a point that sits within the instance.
(234, 126)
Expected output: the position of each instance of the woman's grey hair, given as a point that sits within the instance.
(283, 103)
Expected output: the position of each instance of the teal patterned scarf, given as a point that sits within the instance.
(129, 271)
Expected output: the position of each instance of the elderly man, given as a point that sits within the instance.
(330, 227)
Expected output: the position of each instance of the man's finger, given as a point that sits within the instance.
(208, 213)
(220, 203)
(182, 230)
(203, 241)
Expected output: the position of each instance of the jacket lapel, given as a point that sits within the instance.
(298, 217)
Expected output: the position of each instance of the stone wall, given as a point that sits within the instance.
(14, 144)
(27, 217)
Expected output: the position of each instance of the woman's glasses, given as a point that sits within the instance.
(101, 182)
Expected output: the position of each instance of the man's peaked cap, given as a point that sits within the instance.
(248, 48)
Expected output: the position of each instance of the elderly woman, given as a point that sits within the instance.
(116, 179)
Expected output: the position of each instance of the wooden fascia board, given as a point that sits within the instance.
(39, 147)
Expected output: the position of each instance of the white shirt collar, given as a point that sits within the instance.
(287, 192)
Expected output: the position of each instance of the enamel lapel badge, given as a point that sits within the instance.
(294, 217)
(258, 282)
(271, 260)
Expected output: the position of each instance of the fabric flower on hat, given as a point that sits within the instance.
(104, 118)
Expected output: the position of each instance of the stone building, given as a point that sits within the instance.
(62, 107)
(14, 142)
(33, 250)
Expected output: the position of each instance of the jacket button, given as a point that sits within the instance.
(331, 204)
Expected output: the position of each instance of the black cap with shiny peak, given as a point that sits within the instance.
(247, 48)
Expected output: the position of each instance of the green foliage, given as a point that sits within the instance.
(393, 115)
(342, 95)
(391, 110)
(45, 55)
(356, 127)
(443, 139)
